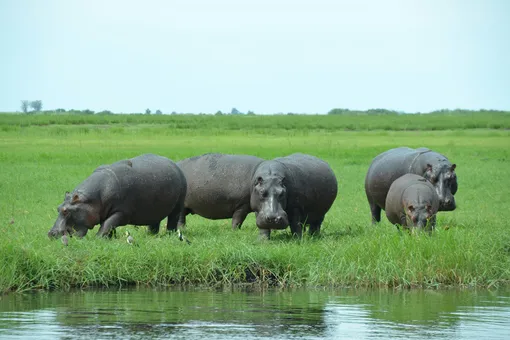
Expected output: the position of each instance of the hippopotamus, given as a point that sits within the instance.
(390, 165)
(412, 201)
(141, 191)
(292, 190)
(219, 186)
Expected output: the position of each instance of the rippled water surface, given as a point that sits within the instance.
(235, 314)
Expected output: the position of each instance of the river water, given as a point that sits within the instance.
(256, 314)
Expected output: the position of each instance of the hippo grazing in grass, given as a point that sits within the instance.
(412, 201)
(294, 190)
(390, 165)
(219, 186)
(139, 191)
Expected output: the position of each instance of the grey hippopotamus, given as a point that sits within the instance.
(412, 201)
(390, 165)
(139, 191)
(219, 186)
(292, 190)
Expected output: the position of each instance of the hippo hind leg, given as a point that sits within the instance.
(153, 228)
(376, 212)
(174, 219)
(182, 218)
(315, 226)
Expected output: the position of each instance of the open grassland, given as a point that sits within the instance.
(267, 123)
(39, 162)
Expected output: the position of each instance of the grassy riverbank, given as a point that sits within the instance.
(40, 162)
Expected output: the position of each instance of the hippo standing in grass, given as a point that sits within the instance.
(294, 190)
(139, 191)
(412, 201)
(390, 165)
(219, 186)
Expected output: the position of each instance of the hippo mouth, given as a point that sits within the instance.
(450, 206)
(266, 222)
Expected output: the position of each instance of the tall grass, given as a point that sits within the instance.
(39, 163)
(261, 123)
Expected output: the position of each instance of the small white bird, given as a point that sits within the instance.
(181, 236)
(129, 238)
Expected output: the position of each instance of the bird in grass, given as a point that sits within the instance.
(65, 240)
(181, 236)
(129, 238)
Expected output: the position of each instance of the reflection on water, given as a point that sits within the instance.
(234, 314)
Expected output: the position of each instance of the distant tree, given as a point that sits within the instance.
(60, 110)
(36, 105)
(338, 112)
(25, 104)
(219, 113)
(235, 111)
(105, 112)
(381, 112)
(147, 112)
(250, 113)
(174, 113)
(87, 112)
(158, 112)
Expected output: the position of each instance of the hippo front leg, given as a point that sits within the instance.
(108, 226)
(239, 216)
(81, 232)
(296, 226)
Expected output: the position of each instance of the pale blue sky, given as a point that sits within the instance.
(264, 56)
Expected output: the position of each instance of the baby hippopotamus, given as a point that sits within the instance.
(412, 201)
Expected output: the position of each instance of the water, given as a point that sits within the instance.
(235, 314)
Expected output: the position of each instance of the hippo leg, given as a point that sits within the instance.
(264, 234)
(296, 226)
(153, 228)
(182, 218)
(376, 212)
(174, 218)
(81, 233)
(315, 227)
(109, 225)
(239, 216)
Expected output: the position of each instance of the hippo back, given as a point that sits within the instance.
(218, 183)
(311, 183)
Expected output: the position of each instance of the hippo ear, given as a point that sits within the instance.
(428, 168)
(259, 180)
(67, 195)
(76, 198)
(452, 169)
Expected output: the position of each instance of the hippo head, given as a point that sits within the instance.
(418, 215)
(76, 211)
(269, 200)
(443, 178)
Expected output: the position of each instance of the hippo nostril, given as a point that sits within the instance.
(278, 220)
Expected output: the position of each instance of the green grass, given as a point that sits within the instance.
(39, 162)
(267, 123)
